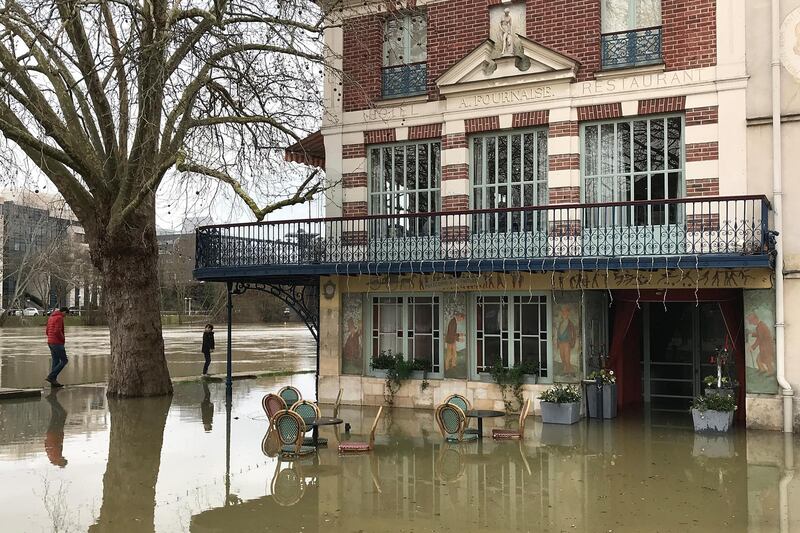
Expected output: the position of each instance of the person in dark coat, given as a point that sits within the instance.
(208, 346)
(55, 341)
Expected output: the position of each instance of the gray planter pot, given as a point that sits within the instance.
(561, 413)
(609, 400)
(710, 420)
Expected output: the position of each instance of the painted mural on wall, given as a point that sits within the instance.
(455, 335)
(567, 346)
(759, 338)
(352, 334)
(790, 43)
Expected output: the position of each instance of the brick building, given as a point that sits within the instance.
(560, 185)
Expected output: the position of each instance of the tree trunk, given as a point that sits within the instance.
(134, 457)
(129, 267)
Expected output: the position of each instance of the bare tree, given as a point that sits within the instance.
(106, 97)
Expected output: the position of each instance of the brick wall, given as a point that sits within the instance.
(564, 162)
(570, 27)
(353, 151)
(477, 125)
(662, 105)
(702, 115)
(380, 136)
(454, 140)
(530, 118)
(702, 187)
(599, 112)
(702, 151)
(356, 179)
(426, 131)
(455, 172)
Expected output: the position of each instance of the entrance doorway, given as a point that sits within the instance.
(679, 342)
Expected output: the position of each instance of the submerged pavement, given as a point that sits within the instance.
(77, 461)
(25, 358)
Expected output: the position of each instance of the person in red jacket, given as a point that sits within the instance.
(55, 341)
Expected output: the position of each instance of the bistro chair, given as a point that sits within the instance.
(355, 446)
(307, 410)
(290, 395)
(452, 423)
(290, 428)
(507, 433)
(337, 404)
(272, 403)
(450, 464)
(271, 443)
(463, 403)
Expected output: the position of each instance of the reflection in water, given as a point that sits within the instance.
(156, 468)
(134, 455)
(54, 438)
(206, 408)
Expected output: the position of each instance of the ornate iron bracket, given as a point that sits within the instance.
(303, 299)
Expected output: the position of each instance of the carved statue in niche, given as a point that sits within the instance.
(506, 34)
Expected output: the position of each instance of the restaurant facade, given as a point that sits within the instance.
(560, 186)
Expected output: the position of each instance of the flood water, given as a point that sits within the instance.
(25, 358)
(76, 461)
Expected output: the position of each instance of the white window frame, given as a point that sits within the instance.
(436, 333)
(512, 357)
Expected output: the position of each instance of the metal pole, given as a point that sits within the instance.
(228, 442)
(229, 378)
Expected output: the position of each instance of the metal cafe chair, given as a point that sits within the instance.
(308, 410)
(356, 446)
(452, 423)
(272, 403)
(290, 395)
(463, 403)
(507, 433)
(290, 428)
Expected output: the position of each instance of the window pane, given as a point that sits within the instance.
(590, 151)
(477, 161)
(648, 13)
(616, 15)
(418, 38)
(674, 142)
(490, 160)
(393, 42)
(502, 159)
(516, 159)
(624, 147)
(657, 144)
(607, 148)
(423, 161)
(640, 153)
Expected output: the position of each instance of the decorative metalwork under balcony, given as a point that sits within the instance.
(405, 80)
(634, 48)
(680, 233)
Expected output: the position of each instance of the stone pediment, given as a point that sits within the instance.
(484, 68)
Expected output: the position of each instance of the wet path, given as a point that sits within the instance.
(79, 462)
(25, 359)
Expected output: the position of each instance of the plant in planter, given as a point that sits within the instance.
(510, 381)
(602, 383)
(713, 413)
(398, 370)
(721, 383)
(561, 404)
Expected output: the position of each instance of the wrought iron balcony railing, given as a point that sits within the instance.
(632, 48)
(721, 231)
(404, 80)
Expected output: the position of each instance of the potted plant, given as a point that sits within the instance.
(382, 362)
(395, 369)
(510, 381)
(602, 383)
(723, 386)
(561, 404)
(713, 413)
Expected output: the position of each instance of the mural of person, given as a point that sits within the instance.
(455, 340)
(764, 343)
(352, 344)
(567, 336)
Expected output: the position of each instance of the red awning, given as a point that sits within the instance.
(309, 151)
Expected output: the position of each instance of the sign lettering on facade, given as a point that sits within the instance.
(511, 96)
(635, 83)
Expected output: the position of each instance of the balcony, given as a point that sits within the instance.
(634, 48)
(720, 232)
(404, 80)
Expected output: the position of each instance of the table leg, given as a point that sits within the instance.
(480, 428)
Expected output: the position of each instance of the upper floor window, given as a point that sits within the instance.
(631, 33)
(405, 52)
(510, 170)
(640, 159)
(405, 179)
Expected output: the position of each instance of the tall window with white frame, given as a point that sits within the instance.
(407, 325)
(512, 330)
(509, 170)
(631, 33)
(405, 54)
(639, 159)
(404, 179)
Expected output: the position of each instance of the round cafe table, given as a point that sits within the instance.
(321, 421)
(480, 414)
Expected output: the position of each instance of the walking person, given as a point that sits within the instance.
(208, 346)
(55, 341)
